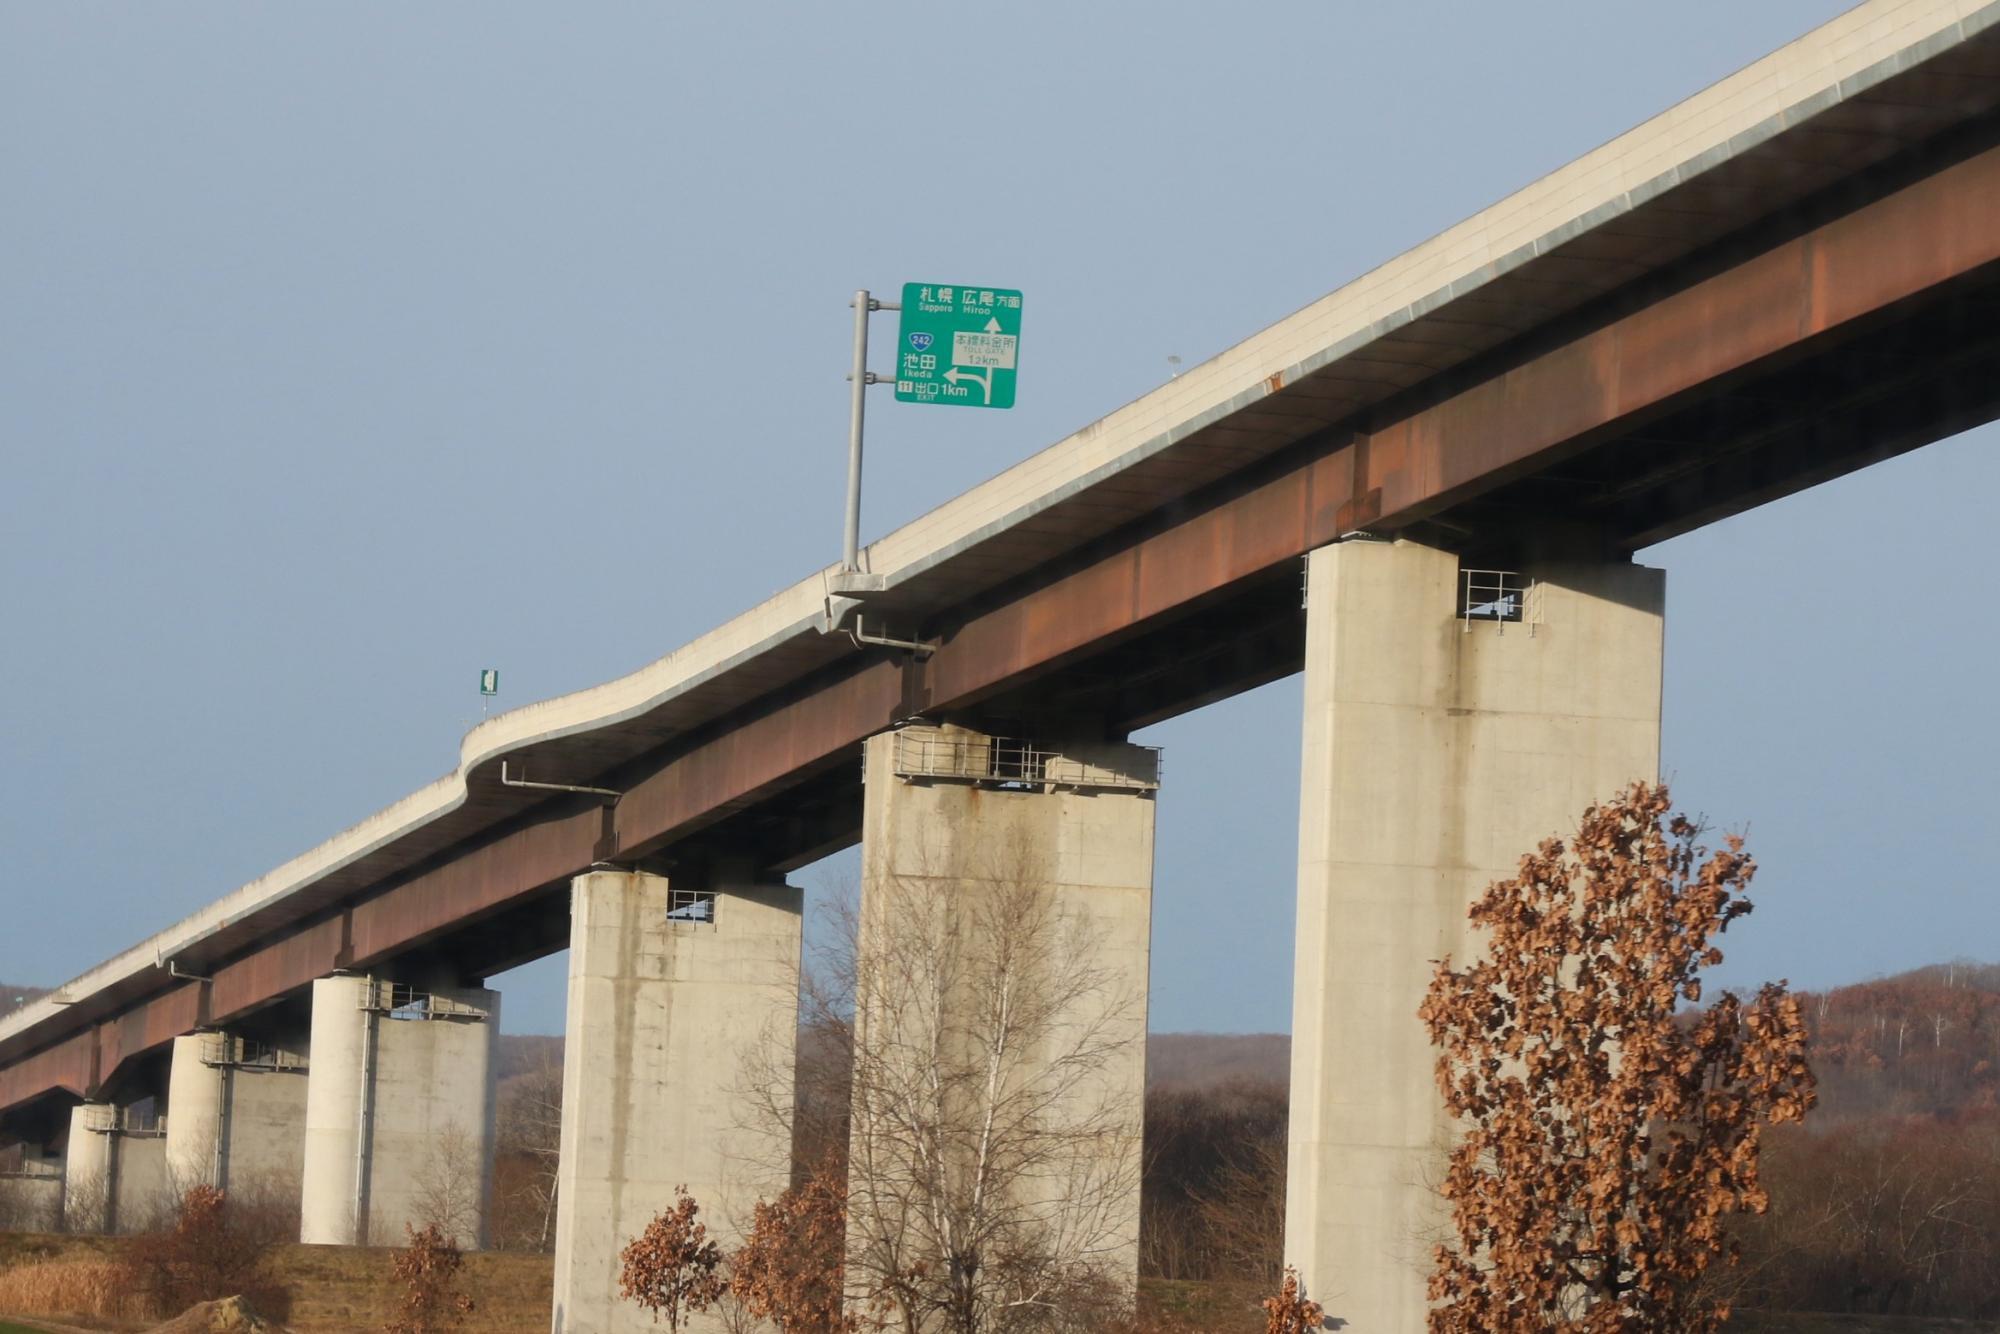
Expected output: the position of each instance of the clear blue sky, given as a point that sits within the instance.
(346, 350)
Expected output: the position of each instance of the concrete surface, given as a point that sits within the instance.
(236, 1117)
(114, 1176)
(87, 1168)
(983, 882)
(31, 1201)
(1436, 752)
(677, 1071)
(399, 1113)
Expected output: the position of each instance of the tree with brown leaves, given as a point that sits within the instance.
(672, 1268)
(1606, 1140)
(209, 1251)
(1291, 1311)
(789, 1270)
(427, 1271)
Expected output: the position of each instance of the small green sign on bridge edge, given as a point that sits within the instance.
(958, 345)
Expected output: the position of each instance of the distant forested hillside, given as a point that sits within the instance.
(13, 995)
(1201, 1060)
(1921, 1043)
(1887, 1200)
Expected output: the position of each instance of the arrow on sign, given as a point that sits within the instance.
(992, 324)
(985, 382)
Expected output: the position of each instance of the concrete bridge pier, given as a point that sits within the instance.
(994, 867)
(677, 1071)
(115, 1168)
(399, 1111)
(236, 1117)
(1438, 749)
(31, 1189)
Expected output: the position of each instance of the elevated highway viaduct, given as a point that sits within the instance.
(1787, 277)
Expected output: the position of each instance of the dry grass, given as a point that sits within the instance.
(71, 1289)
(1198, 1308)
(334, 1290)
(339, 1289)
(1767, 1322)
(1216, 1309)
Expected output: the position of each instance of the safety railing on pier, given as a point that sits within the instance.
(1504, 596)
(1012, 762)
(226, 1050)
(400, 1001)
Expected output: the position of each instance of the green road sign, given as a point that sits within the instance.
(489, 681)
(958, 345)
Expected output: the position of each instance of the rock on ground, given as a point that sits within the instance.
(231, 1315)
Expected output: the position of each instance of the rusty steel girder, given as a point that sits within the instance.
(1777, 304)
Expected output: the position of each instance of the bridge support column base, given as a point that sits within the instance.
(1004, 945)
(677, 1071)
(399, 1112)
(1437, 750)
(31, 1188)
(114, 1172)
(236, 1119)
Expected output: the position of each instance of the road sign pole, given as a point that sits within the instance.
(851, 550)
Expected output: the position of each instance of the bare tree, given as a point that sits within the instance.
(982, 1192)
(1606, 1138)
(449, 1189)
(86, 1201)
(529, 1125)
(1243, 1212)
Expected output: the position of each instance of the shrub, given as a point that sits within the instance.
(672, 1268)
(207, 1252)
(427, 1271)
(1291, 1311)
(789, 1269)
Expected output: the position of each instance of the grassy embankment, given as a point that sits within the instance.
(334, 1290)
(337, 1290)
(1213, 1310)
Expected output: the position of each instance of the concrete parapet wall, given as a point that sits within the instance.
(1437, 751)
(677, 1071)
